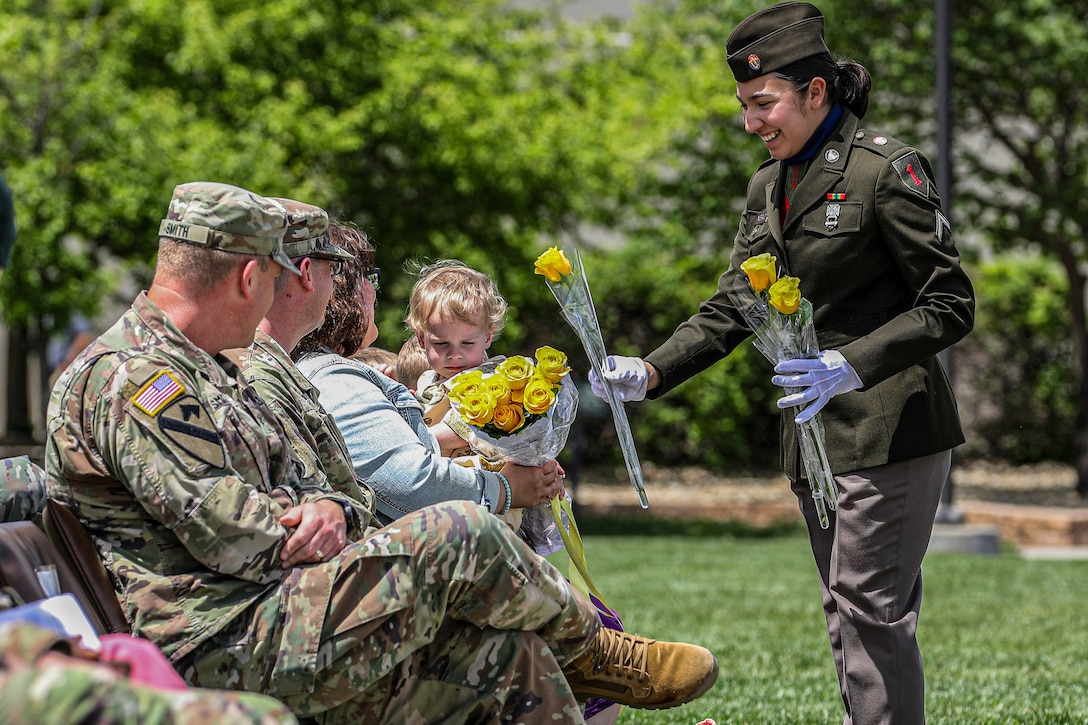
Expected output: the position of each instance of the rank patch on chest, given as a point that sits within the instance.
(157, 393)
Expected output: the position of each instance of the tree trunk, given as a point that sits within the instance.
(1079, 322)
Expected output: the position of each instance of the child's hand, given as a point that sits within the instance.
(389, 371)
(448, 441)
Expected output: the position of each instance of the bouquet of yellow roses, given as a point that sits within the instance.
(781, 319)
(518, 409)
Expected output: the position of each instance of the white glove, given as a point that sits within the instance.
(628, 376)
(822, 379)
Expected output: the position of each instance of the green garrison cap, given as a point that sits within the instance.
(773, 38)
(309, 233)
(232, 219)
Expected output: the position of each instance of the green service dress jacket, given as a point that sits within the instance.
(865, 234)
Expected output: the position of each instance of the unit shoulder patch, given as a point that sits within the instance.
(187, 425)
(911, 173)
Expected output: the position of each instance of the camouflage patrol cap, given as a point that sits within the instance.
(773, 38)
(308, 235)
(228, 218)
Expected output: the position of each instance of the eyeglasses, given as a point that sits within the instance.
(336, 266)
(373, 276)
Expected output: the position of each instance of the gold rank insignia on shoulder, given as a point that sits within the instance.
(157, 393)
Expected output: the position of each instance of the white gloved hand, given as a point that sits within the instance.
(822, 379)
(628, 376)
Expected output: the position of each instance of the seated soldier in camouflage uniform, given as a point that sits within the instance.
(173, 467)
(266, 366)
(47, 678)
(22, 490)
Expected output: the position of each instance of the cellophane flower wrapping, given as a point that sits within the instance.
(540, 439)
(782, 336)
(566, 278)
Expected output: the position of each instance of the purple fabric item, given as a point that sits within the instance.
(610, 619)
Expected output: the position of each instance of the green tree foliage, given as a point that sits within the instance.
(441, 128)
(1020, 110)
(1019, 155)
(486, 132)
(678, 233)
(1018, 370)
(725, 418)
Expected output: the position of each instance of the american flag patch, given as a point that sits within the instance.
(159, 391)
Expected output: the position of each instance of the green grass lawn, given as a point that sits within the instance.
(1004, 639)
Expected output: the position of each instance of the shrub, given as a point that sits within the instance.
(1014, 373)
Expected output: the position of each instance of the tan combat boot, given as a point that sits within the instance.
(640, 672)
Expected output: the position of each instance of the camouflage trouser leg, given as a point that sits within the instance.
(436, 591)
(468, 675)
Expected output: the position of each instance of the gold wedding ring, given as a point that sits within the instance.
(320, 554)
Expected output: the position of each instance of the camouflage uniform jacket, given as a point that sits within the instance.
(168, 463)
(22, 490)
(313, 434)
(43, 681)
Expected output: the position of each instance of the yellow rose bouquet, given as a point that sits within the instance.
(516, 409)
(781, 319)
(566, 279)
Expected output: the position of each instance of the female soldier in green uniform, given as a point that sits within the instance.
(855, 215)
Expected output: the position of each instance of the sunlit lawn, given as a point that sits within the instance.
(1004, 638)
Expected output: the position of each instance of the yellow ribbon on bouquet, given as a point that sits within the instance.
(572, 542)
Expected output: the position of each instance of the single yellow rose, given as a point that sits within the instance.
(539, 395)
(762, 271)
(498, 388)
(552, 364)
(508, 418)
(466, 383)
(517, 369)
(553, 264)
(477, 409)
(785, 295)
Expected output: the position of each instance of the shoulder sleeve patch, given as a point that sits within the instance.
(911, 173)
(187, 425)
(157, 393)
